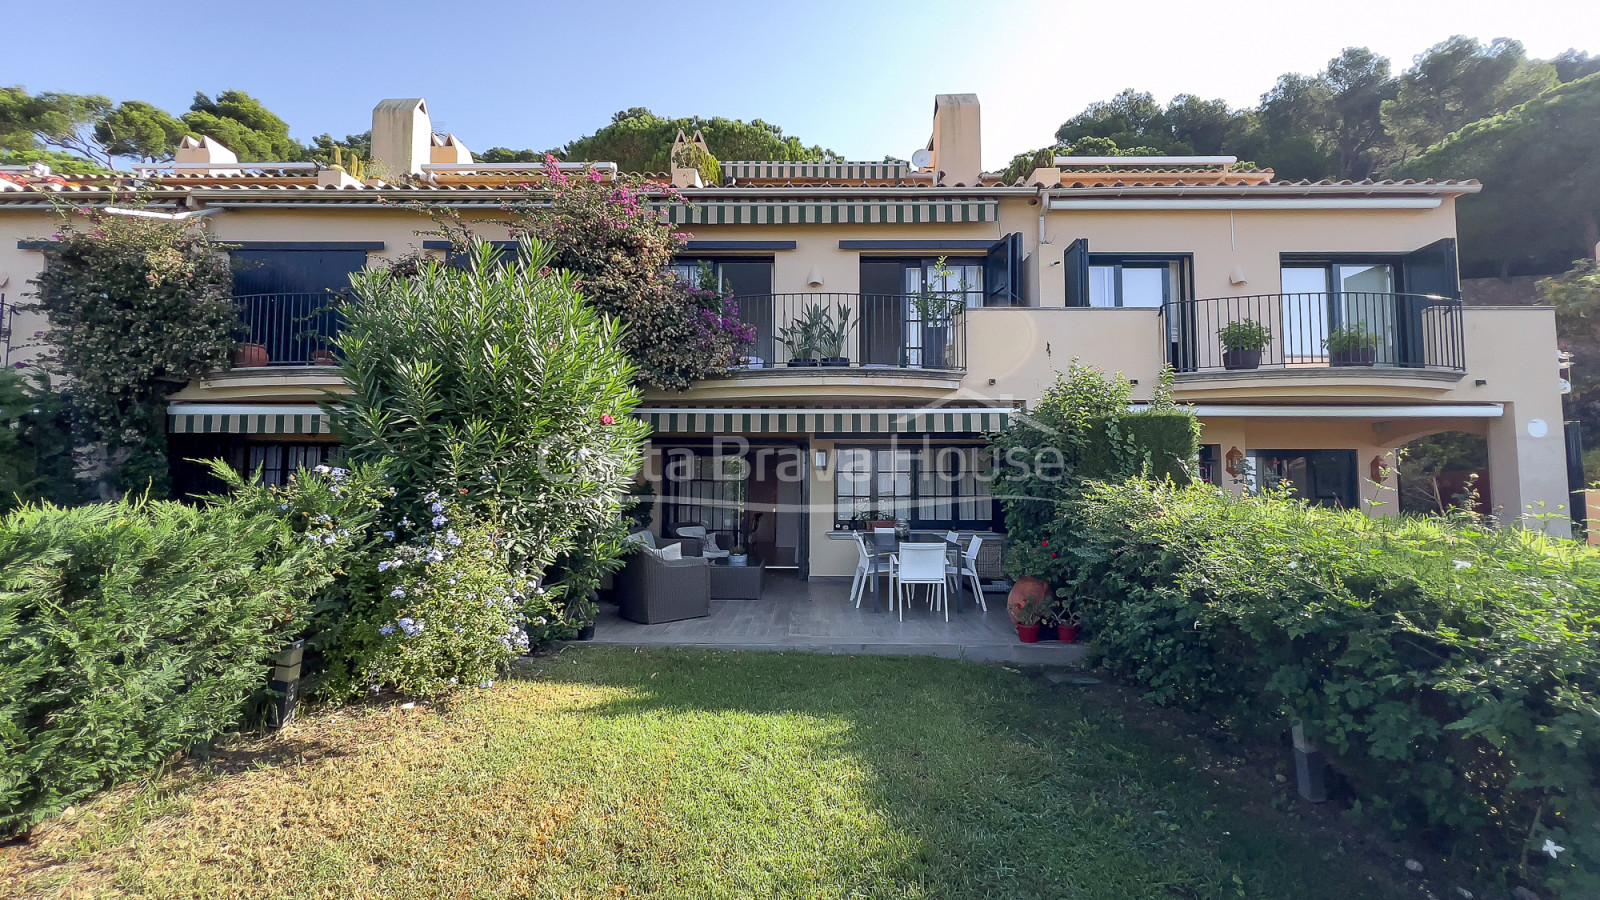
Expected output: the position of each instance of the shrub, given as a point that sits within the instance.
(132, 630)
(35, 442)
(448, 611)
(1080, 429)
(1450, 671)
(500, 387)
(137, 307)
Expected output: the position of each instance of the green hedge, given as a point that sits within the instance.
(1161, 443)
(130, 631)
(1450, 671)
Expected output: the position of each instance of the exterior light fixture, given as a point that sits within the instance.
(820, 459)
(814, 277)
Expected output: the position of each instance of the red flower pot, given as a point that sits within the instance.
(1028, 634)
(246, 356)
(1067, 633)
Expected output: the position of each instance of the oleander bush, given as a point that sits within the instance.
(132, 630)
(500, 386)
(1450, 670)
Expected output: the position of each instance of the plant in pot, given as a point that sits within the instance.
(1067, 621)
(738, 556)
(870, 519)
(1352, 345)
(249, 356)
(1242, 343)
(829, 333)
(800, 342)
(1029, 604)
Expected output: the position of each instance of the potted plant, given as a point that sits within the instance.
(799, 341)
(738, 556)
(1028, 603)
(1351, 345)
(1067, 622)
(249, 356)
(829, 334)
(1242, 343)
(323, 358)
(870, 519)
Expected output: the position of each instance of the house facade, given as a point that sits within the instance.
(903, 311)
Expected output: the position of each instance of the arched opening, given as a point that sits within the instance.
(1443, 471)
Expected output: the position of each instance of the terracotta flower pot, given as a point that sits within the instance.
(1068, 634)
(1027, 591)
(1028, 634)
(246, 356)
(323, 358)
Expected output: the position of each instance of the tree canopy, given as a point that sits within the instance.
(1540, 202)
(638, 140)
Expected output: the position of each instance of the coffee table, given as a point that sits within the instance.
(736, 582)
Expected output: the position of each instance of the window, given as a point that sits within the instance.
(1135, 281)
(749, 281)
(1323, 477)
(278, 461)
(1319, 296)
(705, 489)
(944, 486)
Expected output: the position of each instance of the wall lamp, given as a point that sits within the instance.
(820, 459)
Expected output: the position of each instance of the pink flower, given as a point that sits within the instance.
(607, 419)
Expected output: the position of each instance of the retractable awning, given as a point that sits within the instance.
(243, 418)
(689, 420)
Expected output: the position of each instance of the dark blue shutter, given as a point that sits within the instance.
(1002, 272)
(1077, 272)
(1430, 271)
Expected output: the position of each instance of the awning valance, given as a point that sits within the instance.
(218, 418)
(741, 170)
(953, 420)
(803, 211)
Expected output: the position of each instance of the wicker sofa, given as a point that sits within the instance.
(650, 589)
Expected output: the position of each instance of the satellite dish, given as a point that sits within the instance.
(922, 159)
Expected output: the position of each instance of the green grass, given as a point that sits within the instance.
(614, 773)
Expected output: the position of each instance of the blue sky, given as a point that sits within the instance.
(858, 77)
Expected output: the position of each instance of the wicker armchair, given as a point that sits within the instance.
(650, 589)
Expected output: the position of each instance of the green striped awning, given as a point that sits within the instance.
(803, 211)
(682, 420)
(836, 171)
(196, 418)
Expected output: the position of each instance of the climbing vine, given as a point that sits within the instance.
(137, 307)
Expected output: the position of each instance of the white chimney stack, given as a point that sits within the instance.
(402, 136)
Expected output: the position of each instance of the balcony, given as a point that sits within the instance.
(1350, 334)
(822, 333)
(288, 329)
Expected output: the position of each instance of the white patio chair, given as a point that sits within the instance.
(966, 566)
(868, 566)
(920, 564)
(881, 530)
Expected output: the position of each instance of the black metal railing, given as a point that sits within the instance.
(293, 329)
(896, 331)
(1312, 330)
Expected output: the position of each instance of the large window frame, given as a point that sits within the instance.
(929, 485)
(1107, 278)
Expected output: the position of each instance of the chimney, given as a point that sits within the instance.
(401, 137)
(957, 156)
(208, 151)
(448, 149)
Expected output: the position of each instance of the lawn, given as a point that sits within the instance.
(613, 773)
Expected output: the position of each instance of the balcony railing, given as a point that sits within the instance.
(872, 331)
(1317, 330)
(295, 329)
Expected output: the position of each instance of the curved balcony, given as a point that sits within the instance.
(820, 334)
(1354, 334)
(288, 329)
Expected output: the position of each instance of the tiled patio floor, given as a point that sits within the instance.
(817, 617)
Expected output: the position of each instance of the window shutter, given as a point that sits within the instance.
(1077, 272)
(1432, 270)
(1002, 272)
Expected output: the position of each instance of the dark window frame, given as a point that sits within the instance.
(915, 500)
